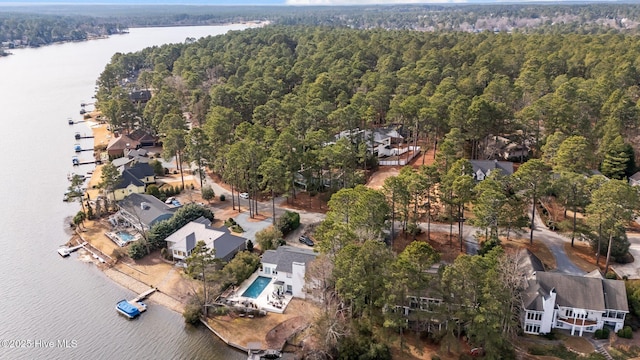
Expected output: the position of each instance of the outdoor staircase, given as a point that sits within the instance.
(600, 349)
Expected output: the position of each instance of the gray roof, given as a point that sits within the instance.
(487, 166)
(127, 179)
(121, 161)
(285, 255)
(154, 211)
(141, 170)
(528, 263)
(577, 292)
(615, 295)
(228, 243)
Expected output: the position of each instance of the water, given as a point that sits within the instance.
(59, 308)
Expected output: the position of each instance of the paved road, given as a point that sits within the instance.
(555, 242)
(631, 270)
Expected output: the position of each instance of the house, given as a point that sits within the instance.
(634, 180)
(379, 141)
(482, 168)
(140, 97)
(121, 144)
(575, 303)
(182, 242)
(142, 211)
(287, 265)
(143, 138)
(134, 180)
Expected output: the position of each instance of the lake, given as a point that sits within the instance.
(50, 307)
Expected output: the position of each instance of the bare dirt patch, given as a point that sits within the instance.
(540, 250)
(583, 256)
(449, 251)
(242, 330)
(304, 201)
(376, 180)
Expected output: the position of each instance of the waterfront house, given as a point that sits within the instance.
(182, 242)
(287, 265)
(144, 138)
(134, 180)
(576, 303)
(142, 211)
(121, 144)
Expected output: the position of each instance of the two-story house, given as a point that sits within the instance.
(575, 303)
(287, 265)
(134, 180)
(182, 242)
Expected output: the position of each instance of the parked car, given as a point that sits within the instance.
(244, 195)
(306, 240)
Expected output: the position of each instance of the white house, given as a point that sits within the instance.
(182, 242)
(287, 265)
(575, 303)
(634, 180)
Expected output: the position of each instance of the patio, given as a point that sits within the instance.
(267, 300)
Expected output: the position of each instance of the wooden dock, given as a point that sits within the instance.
(144, 295)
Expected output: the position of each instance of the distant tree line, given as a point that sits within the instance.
(42, 25)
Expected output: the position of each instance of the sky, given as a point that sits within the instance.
(278, 2)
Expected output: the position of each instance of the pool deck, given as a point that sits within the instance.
(113, 236)
(265, 301)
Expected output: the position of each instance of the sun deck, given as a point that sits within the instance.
(267, 300)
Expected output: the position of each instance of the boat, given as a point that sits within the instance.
(129, 309)
(70, 121)
(78, 136)
(77, 148)
(75, 161)
(83, 111)
(63, 251)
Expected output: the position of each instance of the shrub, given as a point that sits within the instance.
(222, 197)
(241, 267)
(435, 357)
(207, 193)
(288, 222)
(601, 334)
(158, 170)
(137, 250)
(237, 228)
(268, 238)
(153, 190)
(192, 313)
(625, 332)
(249, 246)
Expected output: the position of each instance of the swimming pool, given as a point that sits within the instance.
(125, 236)
(255, 289)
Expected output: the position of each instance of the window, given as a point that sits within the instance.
(532, 329)
(568, 313)
(267, 270)
(534, 316)
(289, 288)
